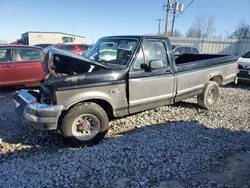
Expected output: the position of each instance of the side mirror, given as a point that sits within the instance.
(156, 64)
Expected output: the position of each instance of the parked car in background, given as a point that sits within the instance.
(20, 65)
(244, 67)
(43, 45)
(17, 43)
(76, 49)
(178, 50)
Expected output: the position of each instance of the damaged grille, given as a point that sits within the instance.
(45, 95)
(45, 98)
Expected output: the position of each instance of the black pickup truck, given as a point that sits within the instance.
(120, 75)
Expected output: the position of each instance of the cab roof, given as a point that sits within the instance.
(137, 36)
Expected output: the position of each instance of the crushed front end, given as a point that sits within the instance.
(37, 107)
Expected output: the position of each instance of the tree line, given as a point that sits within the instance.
(203, 27)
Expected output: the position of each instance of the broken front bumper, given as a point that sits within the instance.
(42, 116)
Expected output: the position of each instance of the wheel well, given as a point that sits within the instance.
(218, 79)
(107, 107)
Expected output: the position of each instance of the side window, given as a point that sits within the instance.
(6, 55)
(187, 50)
(195, 51)
(154, 51)
(83, 47)
(139, 60)
(61, 47)
(67, 39)
(28, 55)
(70, 48)
(178, 50)
(67, 48)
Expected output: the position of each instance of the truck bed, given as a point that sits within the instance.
(188, 62)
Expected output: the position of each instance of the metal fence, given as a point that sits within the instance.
(214, 45)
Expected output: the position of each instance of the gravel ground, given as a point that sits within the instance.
(164, 147)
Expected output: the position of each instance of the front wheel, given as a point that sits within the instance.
(209, 96)
(85, 124)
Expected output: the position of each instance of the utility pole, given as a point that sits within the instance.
(168, 6)
(159, 25)
(175, 8)
(178, 7)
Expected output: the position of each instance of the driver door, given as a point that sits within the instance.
(149, 89)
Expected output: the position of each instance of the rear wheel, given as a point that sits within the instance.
(85, 124)
(209, 96)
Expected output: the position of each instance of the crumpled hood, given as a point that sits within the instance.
(56, 61)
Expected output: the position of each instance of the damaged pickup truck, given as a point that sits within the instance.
(120, 75)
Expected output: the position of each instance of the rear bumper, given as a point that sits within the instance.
(42, 116)
(243, 75)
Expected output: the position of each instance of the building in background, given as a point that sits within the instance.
(34, 37)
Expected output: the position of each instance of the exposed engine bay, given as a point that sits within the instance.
(60, 63)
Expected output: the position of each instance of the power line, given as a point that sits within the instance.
(185, 8)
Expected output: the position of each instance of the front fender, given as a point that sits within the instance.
(85, 97)
(114, 94)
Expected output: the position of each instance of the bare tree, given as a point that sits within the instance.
(202, 27)
(176, 33)
(192, 33)
(242, 31)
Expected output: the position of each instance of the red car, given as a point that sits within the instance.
(76, 49)
(20, 65)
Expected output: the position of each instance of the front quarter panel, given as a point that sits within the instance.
(107, 86)
(114, 94)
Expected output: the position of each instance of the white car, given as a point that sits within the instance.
(244, 67)
(182, 49)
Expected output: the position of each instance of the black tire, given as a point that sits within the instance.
(203, 99)
(74, 114)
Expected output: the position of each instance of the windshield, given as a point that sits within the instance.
(113, 50)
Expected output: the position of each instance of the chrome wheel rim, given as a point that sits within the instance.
(85, 127)
(211, 96)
